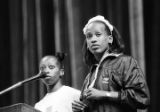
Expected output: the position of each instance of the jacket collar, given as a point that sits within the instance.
(106, 54)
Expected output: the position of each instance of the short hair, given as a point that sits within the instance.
(59, 56)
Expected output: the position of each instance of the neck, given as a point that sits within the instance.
(55, 87)
(100, 55)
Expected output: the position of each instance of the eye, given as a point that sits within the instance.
(42, 68)
(51, 66)
(88, 36)
(98, 34)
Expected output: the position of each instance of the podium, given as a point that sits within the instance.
(19, 107)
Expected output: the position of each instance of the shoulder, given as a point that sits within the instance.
(71, 93)
(41, 104)
(124, 61)
(71, 89)
(127, 59)
(118, 57)
(129, 64)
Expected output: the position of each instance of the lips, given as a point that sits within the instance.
(94, 46)
(47, 77)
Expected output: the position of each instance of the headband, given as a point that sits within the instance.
(98, 18)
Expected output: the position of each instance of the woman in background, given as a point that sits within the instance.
(115, 82)
(59, 97)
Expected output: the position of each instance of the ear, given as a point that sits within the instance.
(110, 39)
(61, 72)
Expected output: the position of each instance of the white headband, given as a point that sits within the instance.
(98, 18)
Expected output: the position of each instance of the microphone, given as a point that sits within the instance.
(38, 76)
(41, 75)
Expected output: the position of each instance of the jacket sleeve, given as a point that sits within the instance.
(135, 92)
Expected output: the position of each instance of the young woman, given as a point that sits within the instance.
(59, 97)
(115, 82)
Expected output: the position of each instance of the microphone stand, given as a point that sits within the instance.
(23, 82)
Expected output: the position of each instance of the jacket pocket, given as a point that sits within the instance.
(112, 78)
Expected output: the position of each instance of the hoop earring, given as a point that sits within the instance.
(87, 46)
(88, 49)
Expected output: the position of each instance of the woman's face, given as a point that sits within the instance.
(50, 66)
(97, 38)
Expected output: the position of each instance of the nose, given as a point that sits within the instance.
(46, 71)
(93, 39)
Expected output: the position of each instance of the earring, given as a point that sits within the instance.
(110, 39)
(87, 46)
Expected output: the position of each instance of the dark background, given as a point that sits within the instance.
(21, 47)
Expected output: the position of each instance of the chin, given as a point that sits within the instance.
(49, 82)
(97, 51)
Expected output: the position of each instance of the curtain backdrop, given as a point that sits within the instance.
(31, 29)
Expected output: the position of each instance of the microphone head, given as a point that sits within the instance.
(43, 74)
